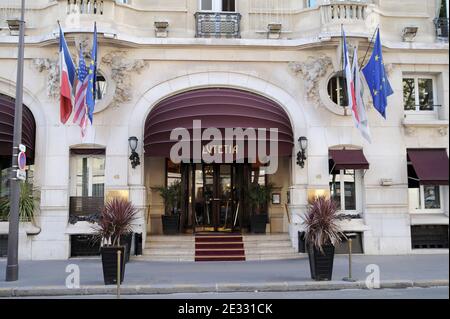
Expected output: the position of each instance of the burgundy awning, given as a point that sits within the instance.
(7, 107)
(219, 108)
(348, 159)
(430, 165)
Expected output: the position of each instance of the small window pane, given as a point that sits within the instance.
(207, 5)
(432, 198)
(335, 188)
(409, 95)
(414, 198)
(426, 101)
(349, 186)
(311, 3)
(228, 5)
(337, 90)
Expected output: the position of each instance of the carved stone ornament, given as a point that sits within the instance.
(443, 130)
(312, 70)
(410, 131)
(52, 66)
(121, 68)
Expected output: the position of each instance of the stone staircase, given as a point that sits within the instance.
(181, 248)
(169, 248)
(269, 247)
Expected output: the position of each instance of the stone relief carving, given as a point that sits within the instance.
(52, 66)
(312, 70)
(410, 131)
(442, 130)
(121, 68)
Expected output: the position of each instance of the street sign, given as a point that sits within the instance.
(22, 161)
(22, 175)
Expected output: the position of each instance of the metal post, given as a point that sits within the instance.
(118, 273)
(12, 268)
(349, 278)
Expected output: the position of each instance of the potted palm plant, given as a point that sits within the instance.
(171, 219)
(259, 196)
(115, 222)
(28, 202)
(322, 233)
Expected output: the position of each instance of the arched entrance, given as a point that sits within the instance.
(214, 194)
(7, 107)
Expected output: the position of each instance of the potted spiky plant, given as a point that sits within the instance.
(322, 233)
(171, 219)
(259, 196)
(28, 202)
(115, 222)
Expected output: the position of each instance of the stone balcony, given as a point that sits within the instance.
(358, 16)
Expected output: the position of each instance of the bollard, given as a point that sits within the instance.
(349, 278)
(118, 274)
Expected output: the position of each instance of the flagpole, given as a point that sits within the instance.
(368, 47)
(12, 268)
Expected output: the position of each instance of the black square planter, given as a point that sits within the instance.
(109, 263)
(321, 264)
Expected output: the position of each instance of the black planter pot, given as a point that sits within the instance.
(109, 262)
(321, 264)
(258, 224)
(171, 224)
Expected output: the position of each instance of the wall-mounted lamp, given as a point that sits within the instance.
(14, 26)
(301, 155)
(409, 33)
(134, 157)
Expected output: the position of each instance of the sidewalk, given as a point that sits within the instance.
(48, 277)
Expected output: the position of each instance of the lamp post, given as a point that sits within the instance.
(12, 267)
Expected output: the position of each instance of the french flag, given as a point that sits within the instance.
(67, 79)
(351, 94)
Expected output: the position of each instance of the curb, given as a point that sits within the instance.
(55, 291)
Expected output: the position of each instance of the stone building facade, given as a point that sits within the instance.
(285, 51)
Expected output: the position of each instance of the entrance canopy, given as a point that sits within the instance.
(219, 108)
(7, 107)
(348, 159)
(430, 165)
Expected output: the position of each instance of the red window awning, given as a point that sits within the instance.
(430, 165)
(348, 159)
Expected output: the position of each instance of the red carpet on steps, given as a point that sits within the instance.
(219, 247)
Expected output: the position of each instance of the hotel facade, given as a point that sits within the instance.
(232, 64)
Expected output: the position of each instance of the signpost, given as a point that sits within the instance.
(12, 266)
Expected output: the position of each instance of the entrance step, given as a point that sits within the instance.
(269, 247)
(219, 247)
(169, 248)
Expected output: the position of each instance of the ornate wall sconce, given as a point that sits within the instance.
(134, 157)
(301, 155)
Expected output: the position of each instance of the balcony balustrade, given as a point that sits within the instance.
(85, 7)
(334, 14)
(218, 25)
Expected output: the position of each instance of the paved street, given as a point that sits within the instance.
(410, 293)
(52, 273)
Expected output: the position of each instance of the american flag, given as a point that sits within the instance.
(80, 117)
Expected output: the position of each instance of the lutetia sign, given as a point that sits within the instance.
(249, 144)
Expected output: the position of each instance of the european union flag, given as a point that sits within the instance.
(376, 78)
(91, 89)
